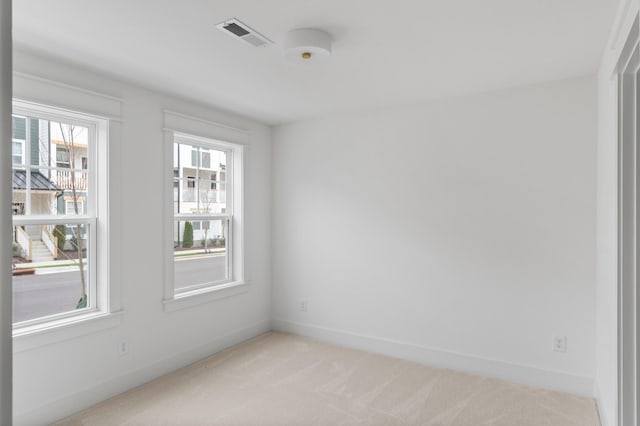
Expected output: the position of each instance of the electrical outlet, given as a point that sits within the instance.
(560, 343)
(123, 348)
(303, 305)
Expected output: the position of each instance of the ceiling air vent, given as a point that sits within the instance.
(243, 32)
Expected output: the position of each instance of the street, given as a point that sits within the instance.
(40, 295)
(202, 270)
(49, 293)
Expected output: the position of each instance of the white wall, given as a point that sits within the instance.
(54, 380)
(459, 232)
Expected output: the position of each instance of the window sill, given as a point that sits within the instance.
(209, 294)
(27, 338)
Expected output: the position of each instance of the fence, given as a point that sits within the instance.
(49, 240)
(24, 241)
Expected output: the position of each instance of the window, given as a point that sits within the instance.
(62, 157)
(17, 208)
(17, 152)
(56, 217)
(204, 227)
(176, 181)
(75, 206)
(18, 140)
(194, 158)
(201, 224)
(206, 159)
(204, 219)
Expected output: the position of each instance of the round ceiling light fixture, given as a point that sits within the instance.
(307, 45)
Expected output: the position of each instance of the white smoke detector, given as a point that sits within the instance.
(307, 45)
(241, 31)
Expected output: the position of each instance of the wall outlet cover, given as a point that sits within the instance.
(560, 343)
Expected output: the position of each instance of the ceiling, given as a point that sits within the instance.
(385, 52)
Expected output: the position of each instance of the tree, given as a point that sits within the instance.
(68, 132)
(207, 198)
(60, 233)
(187, 237)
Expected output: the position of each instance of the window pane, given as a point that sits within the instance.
(210, 197)
(221, 160)
(184, 195)
(51, 264)
(71, 182)
(52, 180)
(17, 155)
(75, 207)
(206, 159)
(16, 148)
(191, 195)
(44, 193)
(19, 128)
(176, 151)
(71, 162)
(183, 158)
(199, 246)
(50, 270)
(200, 254)
(62, 156)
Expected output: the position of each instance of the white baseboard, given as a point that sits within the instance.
(605, 419)
(84, 398)
(533, 376)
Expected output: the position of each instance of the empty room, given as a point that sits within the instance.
(319, 212)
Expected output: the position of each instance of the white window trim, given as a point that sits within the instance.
(98, 136)
(203, 133)
(42, 95)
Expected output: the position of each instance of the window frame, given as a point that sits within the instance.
(212, 135)
(198, 144)
(96, 214)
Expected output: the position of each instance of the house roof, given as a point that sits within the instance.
(39, 182)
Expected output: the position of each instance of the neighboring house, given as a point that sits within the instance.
(44, 193)
(50, 153)
(199, 188)
(36, 242)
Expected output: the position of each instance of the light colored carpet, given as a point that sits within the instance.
(280, 379)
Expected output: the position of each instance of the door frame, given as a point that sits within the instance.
(628, 74)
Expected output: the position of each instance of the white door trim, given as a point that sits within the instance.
(628, 229)
(6, 344)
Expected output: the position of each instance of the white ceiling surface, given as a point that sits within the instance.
(386, 52)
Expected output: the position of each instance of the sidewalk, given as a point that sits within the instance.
(51, 264)
(197, 254)
(71, 264)
(52, 267)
